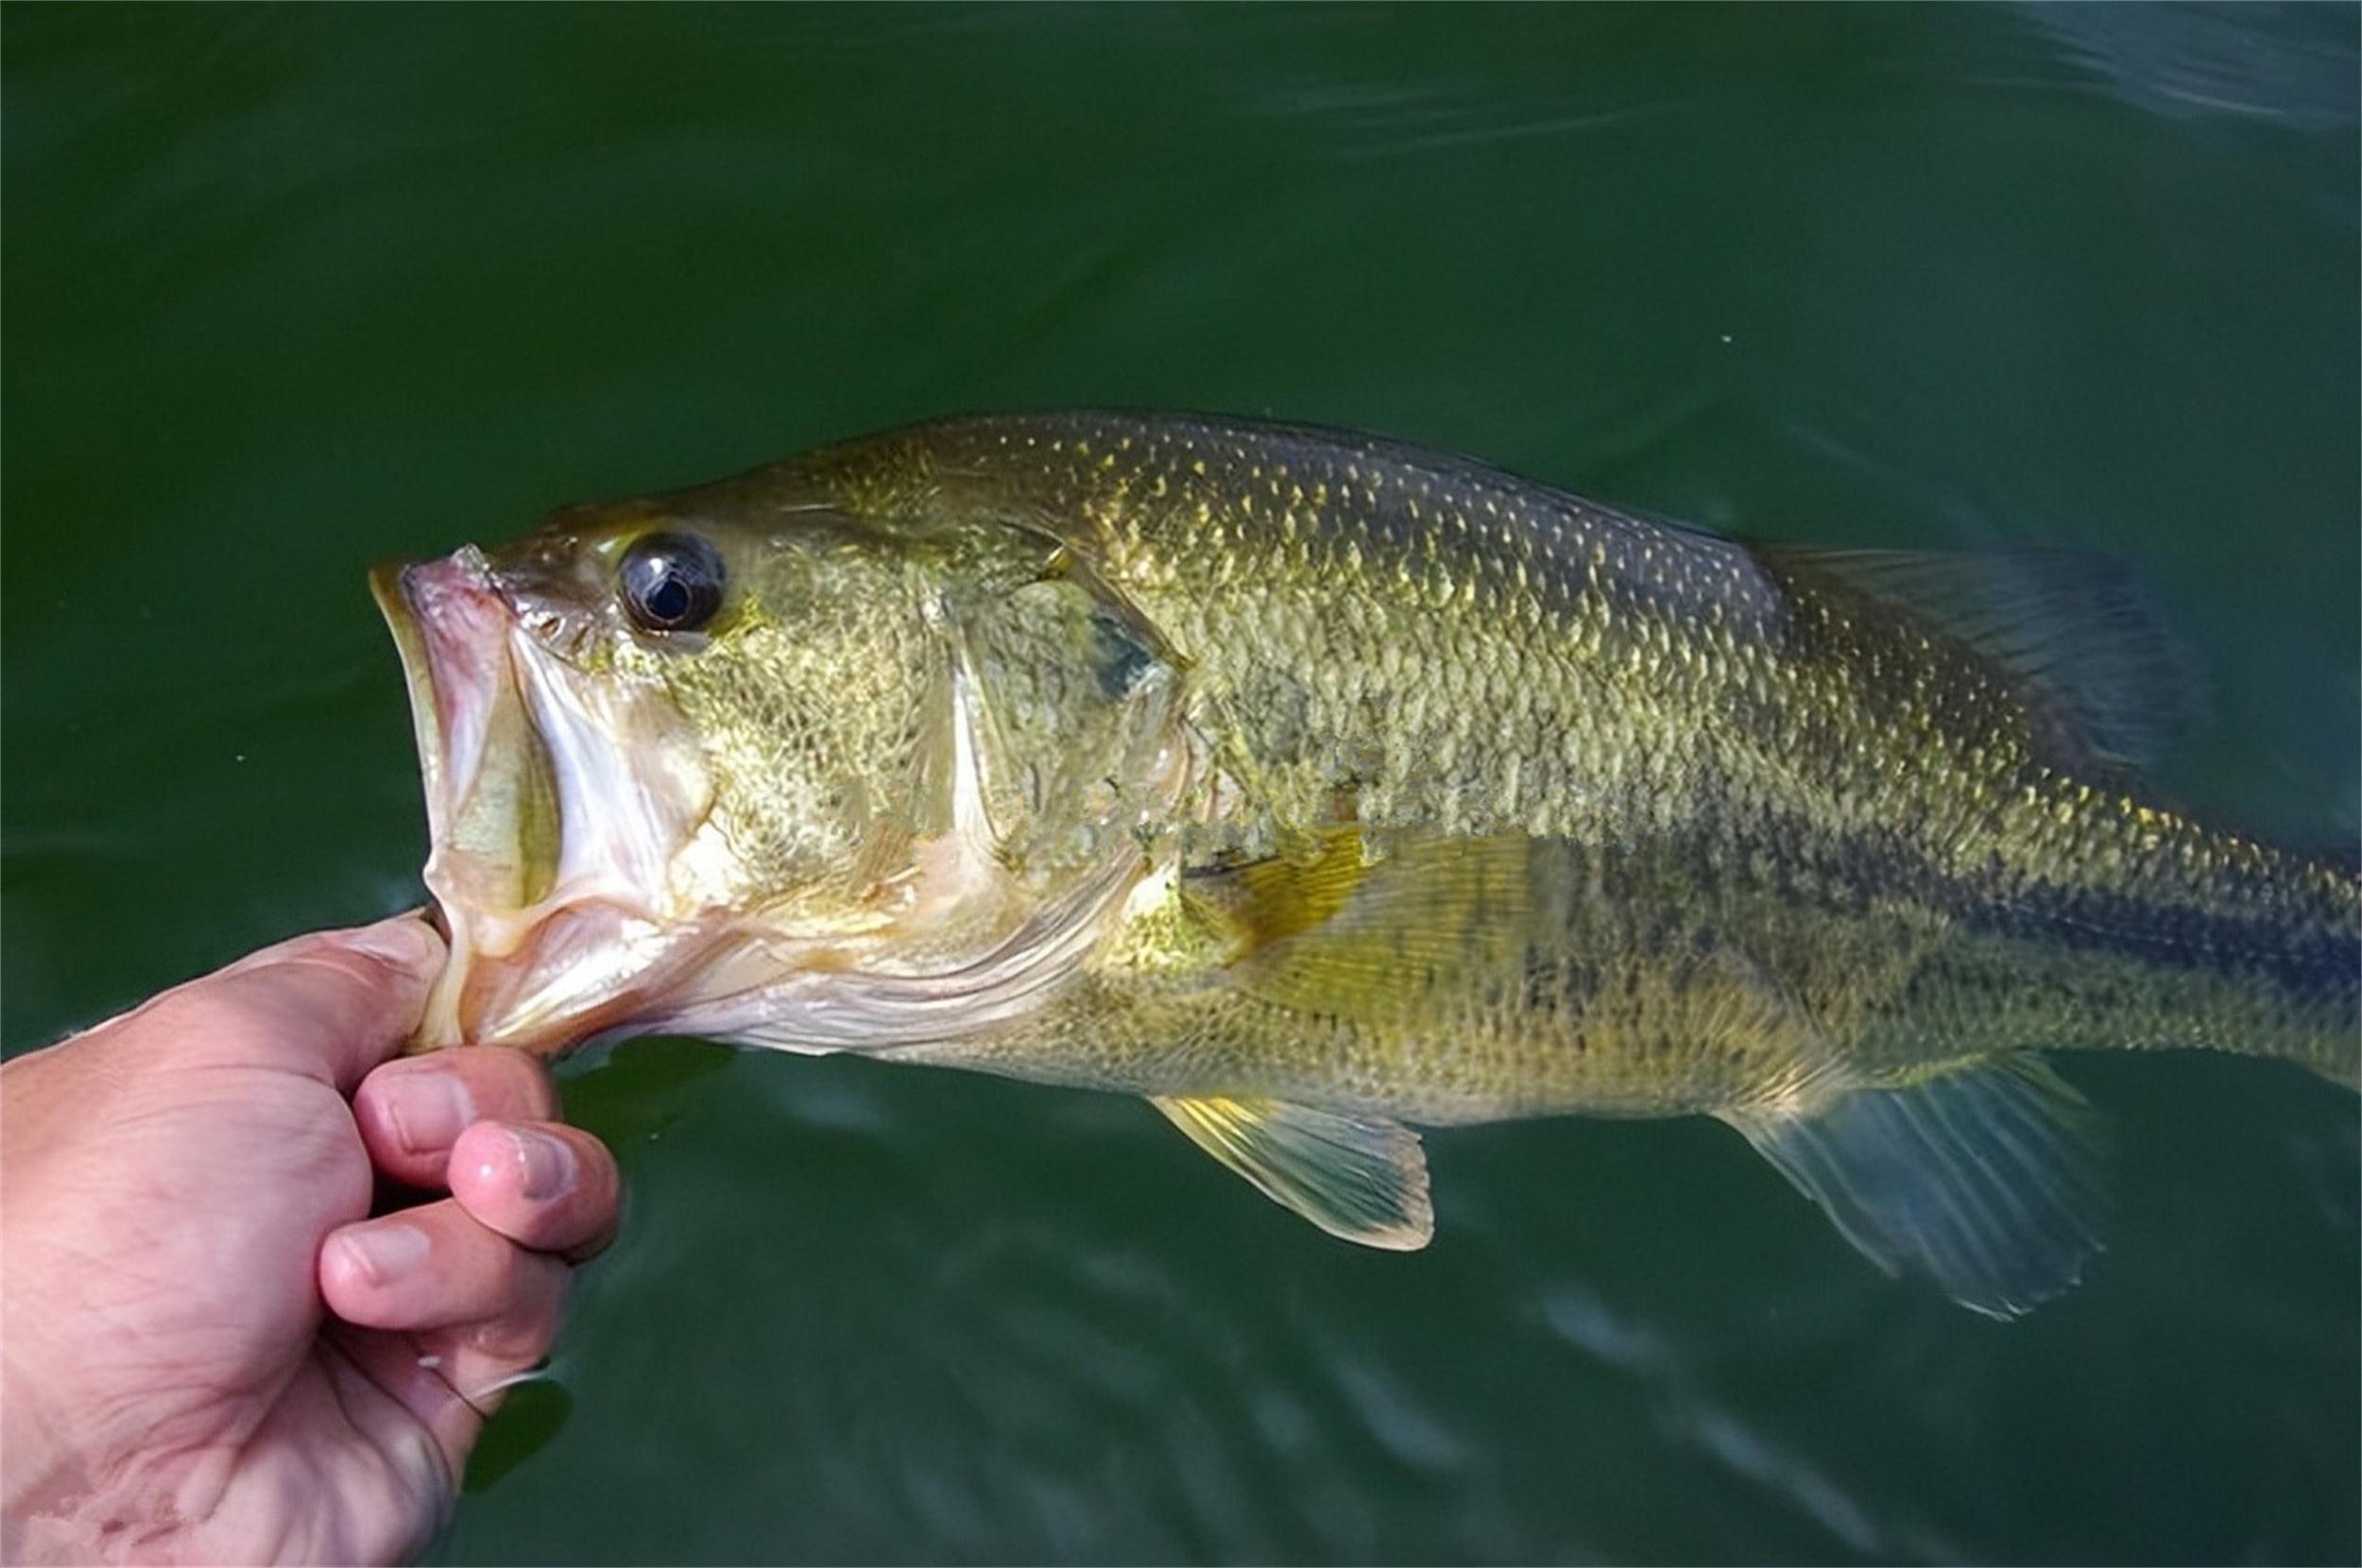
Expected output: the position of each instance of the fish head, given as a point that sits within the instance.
(747, 765)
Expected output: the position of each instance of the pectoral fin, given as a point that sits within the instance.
(1362, 1178)
(1980, 1179)
(1381, 942)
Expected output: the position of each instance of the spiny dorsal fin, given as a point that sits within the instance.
(2082, 628)
(1979, 1178)
(1362, 1178)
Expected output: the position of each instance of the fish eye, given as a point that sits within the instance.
(672, 582)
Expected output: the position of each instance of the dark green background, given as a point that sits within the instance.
(290, 291)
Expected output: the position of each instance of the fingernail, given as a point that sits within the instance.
(549, 1163)
(383, 1254)
(404, 941)
(426, 1105)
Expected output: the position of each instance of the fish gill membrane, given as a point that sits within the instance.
(1309, 784)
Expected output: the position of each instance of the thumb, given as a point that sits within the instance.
(331, 1005)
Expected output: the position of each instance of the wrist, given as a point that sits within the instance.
(63, 1501)
(48, 1467)
(30, 1453)
(41, 1488)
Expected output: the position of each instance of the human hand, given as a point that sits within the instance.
(209, 1350)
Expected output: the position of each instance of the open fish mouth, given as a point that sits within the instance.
(491, 801)
(550, 850)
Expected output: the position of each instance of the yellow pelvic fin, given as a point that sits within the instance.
(1362, 1178)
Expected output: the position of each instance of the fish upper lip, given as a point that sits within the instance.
(450, 623)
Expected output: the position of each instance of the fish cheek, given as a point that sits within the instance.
(807, 734)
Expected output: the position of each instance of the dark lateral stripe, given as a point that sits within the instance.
(2305, 957)
(2309, 963)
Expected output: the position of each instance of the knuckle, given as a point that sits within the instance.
(520, 1079)
(201, 1011)
(526, 1319)
(523, 1335)
(350, 973)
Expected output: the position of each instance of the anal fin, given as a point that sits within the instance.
(1362, 1178)
(1981, 1178)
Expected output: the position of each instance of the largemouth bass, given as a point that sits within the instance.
(1309, 784)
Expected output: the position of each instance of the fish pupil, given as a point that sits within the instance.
(669, 600)
(672, 582)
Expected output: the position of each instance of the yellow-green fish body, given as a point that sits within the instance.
(1310, 784)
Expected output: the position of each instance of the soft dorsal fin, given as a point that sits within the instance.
(1362, 1178)
(2082, 628)
(1979, 1178)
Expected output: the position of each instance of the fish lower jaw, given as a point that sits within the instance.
(601, 961)
(544, 977)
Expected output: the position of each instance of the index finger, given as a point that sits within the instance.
(331, 1005)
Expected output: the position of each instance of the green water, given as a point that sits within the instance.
(290, 291)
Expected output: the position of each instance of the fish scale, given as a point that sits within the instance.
(1307, 784)
(1672, 670)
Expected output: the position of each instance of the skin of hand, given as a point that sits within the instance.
(209, 1348)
